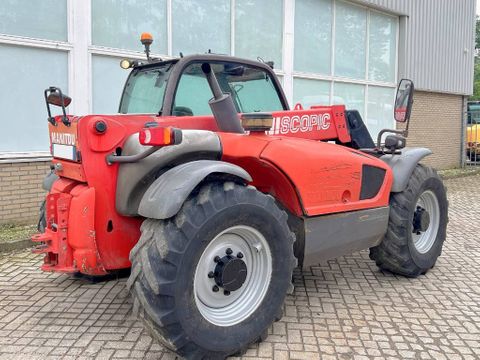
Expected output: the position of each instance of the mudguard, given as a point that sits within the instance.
(134, 178)
(164, 198)
(403, 164)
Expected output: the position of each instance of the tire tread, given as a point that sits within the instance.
(157, 249)
(393, 253)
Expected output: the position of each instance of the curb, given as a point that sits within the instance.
(16, 245)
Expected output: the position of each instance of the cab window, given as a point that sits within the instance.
(144, 90)
(252, 89)
(192, 95)
(473, 113)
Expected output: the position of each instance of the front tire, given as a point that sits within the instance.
(417, 226)
(211, 280)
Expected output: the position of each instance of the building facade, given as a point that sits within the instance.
(324, 51)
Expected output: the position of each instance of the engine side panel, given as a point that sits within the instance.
(327, 177)
(319, 178)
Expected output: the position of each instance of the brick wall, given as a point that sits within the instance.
(21, 191)
(436, 123)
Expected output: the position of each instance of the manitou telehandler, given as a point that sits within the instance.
(212, 191)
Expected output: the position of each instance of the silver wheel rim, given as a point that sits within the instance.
(218, 308)
(424, 241)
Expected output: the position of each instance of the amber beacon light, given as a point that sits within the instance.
(147, 40)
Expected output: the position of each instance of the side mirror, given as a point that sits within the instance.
(404, 100)
(401, 113)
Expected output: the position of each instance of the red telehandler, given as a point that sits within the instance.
(212, 191)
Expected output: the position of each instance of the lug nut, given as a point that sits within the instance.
(215, 288)
(228, 251)
(239, 255)
(226, 292)
(211, 274)
(216, 259)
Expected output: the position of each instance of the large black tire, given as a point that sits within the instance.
(397, 252)
(165, 259)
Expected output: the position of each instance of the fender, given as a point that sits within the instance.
(403, 164)
(135, 178)
(164, 198)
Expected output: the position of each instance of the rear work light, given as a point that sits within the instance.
(160, 136)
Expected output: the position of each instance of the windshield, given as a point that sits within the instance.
(144, 90)
(473, 113)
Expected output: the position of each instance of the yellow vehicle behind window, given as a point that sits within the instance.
(473, 130)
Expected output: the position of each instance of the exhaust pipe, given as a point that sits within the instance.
(222, 105)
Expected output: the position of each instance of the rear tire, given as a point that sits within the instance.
(170, 280)
(405, 251)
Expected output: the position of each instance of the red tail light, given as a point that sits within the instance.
(160, 136)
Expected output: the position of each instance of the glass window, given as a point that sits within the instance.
(200, 25)
(313, 36)
(255, 92)
(350, 95)
(311, 92)
(108, 79)
(350, 40)
(193, 93)
(118, 24)
(382, 47)
(24, 114)
(145, 89)
(259, 29)
(46, 19)
(380, 109)
(252, 89)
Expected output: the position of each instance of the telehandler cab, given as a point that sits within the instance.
(212, 190)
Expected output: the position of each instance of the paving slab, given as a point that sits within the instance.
(341, 309)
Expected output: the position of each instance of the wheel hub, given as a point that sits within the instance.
(230, 273)
(421, 220)
(233, 275)
(426, 221)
